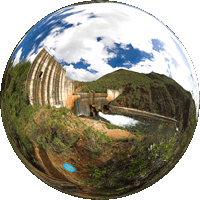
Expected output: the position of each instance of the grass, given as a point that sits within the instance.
(160, 126)
(151, 92)
(112, 126)
(50, 132)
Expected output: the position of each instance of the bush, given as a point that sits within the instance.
(51, 133)
(97, 141)
(16, 108)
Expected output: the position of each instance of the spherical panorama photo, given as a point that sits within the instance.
(99, 100)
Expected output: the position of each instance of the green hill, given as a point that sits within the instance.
(152, 92)
(117, 79)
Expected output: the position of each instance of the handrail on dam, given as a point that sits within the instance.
(50, 52)
(144, 113)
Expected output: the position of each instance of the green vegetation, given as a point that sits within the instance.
(16, 109)
(59, 130)
(17, 113)
(133, 163)
(116, 80)
(137, 90)
(152, 92)
(101, 176)
(51, 131)
(160, 127)
(111, 126)
(45, 126)
(97, 141)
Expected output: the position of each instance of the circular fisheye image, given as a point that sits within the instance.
(99, 100)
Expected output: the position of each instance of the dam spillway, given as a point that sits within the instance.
(46, 84)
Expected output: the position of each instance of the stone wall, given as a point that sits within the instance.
(101, 99)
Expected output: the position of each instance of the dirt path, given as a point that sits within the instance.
(119, 134)
(79, 157)
(49, 165)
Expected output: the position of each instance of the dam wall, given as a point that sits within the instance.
(45, 80)
(69, 96)
(46, 84)
(84, 101)
(113, 94)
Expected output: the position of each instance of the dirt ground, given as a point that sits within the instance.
(79, 157)
(115, 134)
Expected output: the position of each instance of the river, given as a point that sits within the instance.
(133, 125)
(119, 120)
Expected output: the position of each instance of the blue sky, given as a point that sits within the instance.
(92, 40)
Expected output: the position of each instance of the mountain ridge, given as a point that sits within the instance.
(151, 92)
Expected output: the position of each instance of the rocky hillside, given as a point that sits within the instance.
(152, 92)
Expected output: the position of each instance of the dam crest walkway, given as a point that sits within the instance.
(134, 111)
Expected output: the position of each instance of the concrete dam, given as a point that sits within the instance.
(45, 80)
(46, 84)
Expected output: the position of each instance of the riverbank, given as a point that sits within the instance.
(132, 125)
(100, 125)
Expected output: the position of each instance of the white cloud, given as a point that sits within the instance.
(17, 57)
(115, 23)
(39, 36)
(80, 74)
(51, 22)
(31, 56)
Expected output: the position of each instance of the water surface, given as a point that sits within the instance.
(119, 120)
(132, 124)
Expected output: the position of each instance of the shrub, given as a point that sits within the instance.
(97, 141)
(50, 134)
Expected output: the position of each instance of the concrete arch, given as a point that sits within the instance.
(45, 80)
